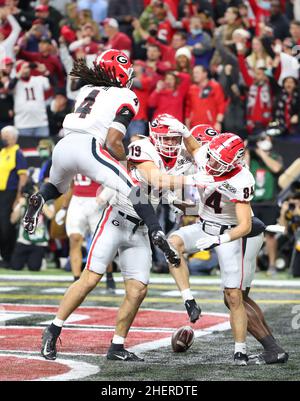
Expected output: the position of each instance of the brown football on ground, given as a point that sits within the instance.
(182, 339)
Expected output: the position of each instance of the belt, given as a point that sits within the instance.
(223, 227)
(138, 223)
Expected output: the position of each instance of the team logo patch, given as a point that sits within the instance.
(122, 60)
(115, 223)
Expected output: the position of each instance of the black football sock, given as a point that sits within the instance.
(270, 344)
(109, 275)
(76, 278)
(144, 209)
(55, 330)
(116, 347)
(49, 191)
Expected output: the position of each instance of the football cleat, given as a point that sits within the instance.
(193, 310)
(123, 355)
(240, 359)
(48, 350)
(35, 204)
(268, 358)
(159, 239)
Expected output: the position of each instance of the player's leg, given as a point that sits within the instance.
(257, 326)
(76, 224)
(135, 292)
(92, 218)
(136, 262)
(62, 171)
(105, 170)
(101, 253)
(184, 241)
(231, 261)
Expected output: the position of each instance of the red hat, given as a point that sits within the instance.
(38, 21)
(42, 9)
(68, 34)
(7, 61)
(20, 64)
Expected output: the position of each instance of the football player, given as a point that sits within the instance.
(226, 223)
(155, 162)
(257, 326)
(93, 142)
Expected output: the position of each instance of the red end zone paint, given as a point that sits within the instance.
(14, 368)
(106, 316)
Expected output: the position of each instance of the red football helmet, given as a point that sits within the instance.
(117, 64)
(204, 133)
(166, 143)
(225, 152)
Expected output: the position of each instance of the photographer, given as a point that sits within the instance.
(30, 249)
(265, 165)
(290, 218)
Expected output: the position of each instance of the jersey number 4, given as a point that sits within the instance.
(214, 201)
(86, 106)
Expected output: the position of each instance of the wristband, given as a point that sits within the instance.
(224, 238)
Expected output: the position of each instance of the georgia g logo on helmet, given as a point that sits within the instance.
(211, 132)
(122, 60)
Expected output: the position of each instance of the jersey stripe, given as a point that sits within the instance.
(98, 233)
(111, 164)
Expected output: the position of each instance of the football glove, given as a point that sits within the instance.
(212, 241)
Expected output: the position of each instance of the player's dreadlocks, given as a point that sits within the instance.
(96, 76)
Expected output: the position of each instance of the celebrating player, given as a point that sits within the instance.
(155, 162)
(103, 110)
(225, 222)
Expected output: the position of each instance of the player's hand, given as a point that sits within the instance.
(60, 217)
(212, 241)
(176, 127)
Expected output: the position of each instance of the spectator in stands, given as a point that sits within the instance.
(183, 58)
(57, 111)
(155, 68)
(278, 21)
(142, 85)
(45, 149)
(205, 102)
(258, 56)
(116, 39)
(30, 41)
(42, 12)
(199, 42)
(30, 249)
(45, 57)
(7, 43)
(287, 108)
(259, 99)
(169, 95)
(265, 165)
(6, 98)
(98, 8)
(13, 177)
(124, 11)
(30, 106)
(295, 32)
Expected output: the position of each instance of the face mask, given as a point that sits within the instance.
(44, 154)
(265, 145)
(196, 31)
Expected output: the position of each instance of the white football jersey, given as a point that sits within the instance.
(217, 201)
(96, 109)
(30, 105)
(144, 151)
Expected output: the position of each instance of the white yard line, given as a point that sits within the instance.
(155, 280)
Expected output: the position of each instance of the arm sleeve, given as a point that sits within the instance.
(21, 164)
(13, 37)
(243, 192)
(244, 70)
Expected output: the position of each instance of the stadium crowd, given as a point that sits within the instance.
(231, 64)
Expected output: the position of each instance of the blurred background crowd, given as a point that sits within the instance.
(231, 64)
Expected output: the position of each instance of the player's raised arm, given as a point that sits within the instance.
(154, 177)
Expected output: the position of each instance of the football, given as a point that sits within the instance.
(182, 339)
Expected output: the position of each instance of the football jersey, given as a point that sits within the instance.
(84, 187)
(217, 201)
(96, 108)
(144, 151)
(30, 105)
